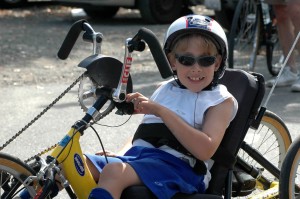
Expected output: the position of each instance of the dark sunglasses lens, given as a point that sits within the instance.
(186, 60)
(206, 61)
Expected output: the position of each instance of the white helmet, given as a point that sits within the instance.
(198, 24)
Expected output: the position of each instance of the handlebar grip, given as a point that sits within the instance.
(70, 39)
(156, 50)
(137, 46)
(125, 108)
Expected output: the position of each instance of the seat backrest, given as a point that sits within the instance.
(248, 89)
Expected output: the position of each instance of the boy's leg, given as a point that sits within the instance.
(115, 177)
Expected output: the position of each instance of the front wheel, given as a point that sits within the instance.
(13, 173)
(161, 11)
(289, 183)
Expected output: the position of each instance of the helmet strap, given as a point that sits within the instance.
(177, 80)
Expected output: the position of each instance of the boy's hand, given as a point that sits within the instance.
(142, 104)
(107, 153)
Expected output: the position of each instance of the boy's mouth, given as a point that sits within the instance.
(196, 78)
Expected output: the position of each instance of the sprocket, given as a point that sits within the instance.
(87, 97)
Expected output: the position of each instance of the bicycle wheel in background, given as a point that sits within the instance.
(271, 139)
(244, 37)
(275, 57)
(289, 183)
(13, 173)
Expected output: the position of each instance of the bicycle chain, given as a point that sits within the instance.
(38, 117)
(41, 153)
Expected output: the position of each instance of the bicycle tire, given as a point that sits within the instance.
(272, 139)
(244, 37)
(13, 173)
(289, 186)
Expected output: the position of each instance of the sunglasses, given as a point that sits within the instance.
(188, 60)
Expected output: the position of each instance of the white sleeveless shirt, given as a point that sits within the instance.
(191, 107)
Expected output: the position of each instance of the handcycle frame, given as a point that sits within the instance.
(68, 156)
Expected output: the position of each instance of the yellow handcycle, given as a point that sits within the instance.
(241, 168)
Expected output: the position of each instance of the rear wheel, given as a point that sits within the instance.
(272, 140)
(161, 11)
(13, 173)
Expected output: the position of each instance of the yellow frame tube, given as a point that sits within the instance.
(73, 165)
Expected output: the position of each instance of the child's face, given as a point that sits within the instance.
(195, 77)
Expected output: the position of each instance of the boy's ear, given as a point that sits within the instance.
(218, 63)
(173, 67)
(217, 66)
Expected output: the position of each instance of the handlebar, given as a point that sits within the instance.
(90, 35)
(136, 44)
(124, 108)
(70, 39)
(103, 95)
(159, 56)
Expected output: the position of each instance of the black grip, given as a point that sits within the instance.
(136, 45)
(70, 39)
(156, 50)
(125, 108)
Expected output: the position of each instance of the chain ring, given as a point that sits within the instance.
(87, 97)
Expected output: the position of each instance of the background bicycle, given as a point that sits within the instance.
(254, 27)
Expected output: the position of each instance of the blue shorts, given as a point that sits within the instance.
(163, 173)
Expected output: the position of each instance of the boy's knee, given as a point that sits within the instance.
(113, 170)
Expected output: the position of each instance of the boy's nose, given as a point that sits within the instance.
(196, 67)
